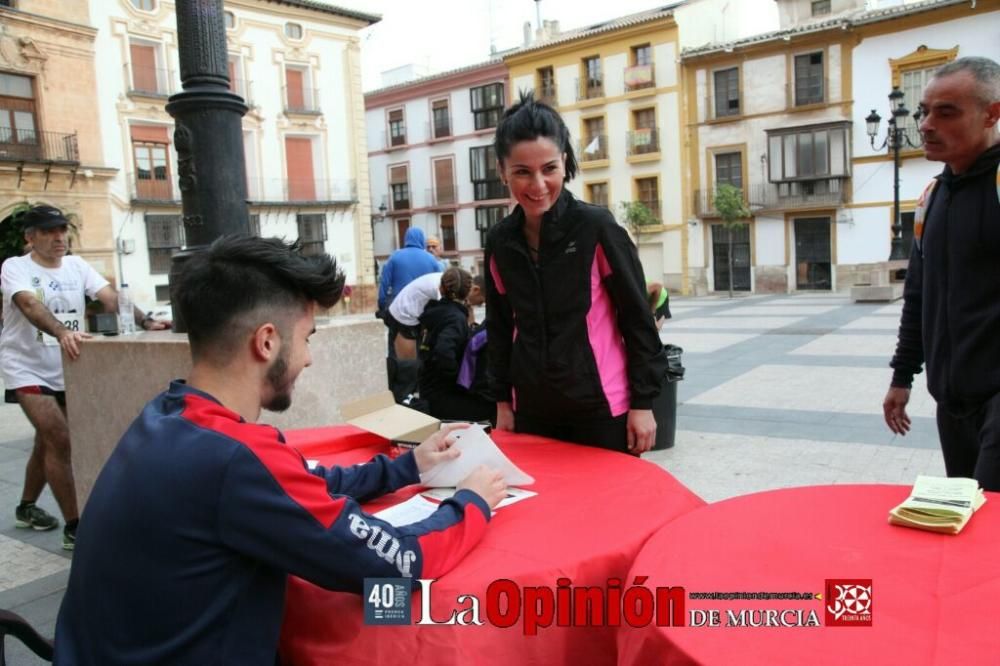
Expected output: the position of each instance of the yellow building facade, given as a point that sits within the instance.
(50, 138)
(617, 85)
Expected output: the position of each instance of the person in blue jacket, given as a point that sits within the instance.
(405, 265)
(200, 513)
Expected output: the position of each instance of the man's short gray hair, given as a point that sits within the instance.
(985, 71)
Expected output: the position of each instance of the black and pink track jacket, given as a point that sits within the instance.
(573, 336)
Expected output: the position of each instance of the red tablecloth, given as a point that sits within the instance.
(934, 596)
(593, 512)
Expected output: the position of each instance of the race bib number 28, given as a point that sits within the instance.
(70, 320)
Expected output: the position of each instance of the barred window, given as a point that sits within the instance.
(164, 237)
(312, 233)
(487, 105)
(486, 218)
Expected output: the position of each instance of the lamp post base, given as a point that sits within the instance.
(898, 251)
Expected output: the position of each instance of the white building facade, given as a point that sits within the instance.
(431, 161)
(297, 65)
(782, 116)
(902, 46)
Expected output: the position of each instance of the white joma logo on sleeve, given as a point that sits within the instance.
(384, 545)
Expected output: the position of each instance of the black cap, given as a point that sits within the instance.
(44, 217)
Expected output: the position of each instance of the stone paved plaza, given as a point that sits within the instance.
(779, 391)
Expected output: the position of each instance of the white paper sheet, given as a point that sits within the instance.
(513, 495)
(411, 511)
(477, 449)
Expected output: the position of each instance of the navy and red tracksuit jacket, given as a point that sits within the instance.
(195, 521)
(572, 336)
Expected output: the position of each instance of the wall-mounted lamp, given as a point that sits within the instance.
(377, 218)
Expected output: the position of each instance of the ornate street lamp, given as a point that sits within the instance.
(208, 137)
(896, 139)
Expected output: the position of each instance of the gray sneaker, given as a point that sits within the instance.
(34, 517)
(69, 538)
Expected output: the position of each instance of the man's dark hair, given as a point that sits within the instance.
(478, 281)
(241, 282)
(526, 121)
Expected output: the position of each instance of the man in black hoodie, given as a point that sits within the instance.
(951, 301)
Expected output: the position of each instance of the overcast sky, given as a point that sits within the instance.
(445, 34)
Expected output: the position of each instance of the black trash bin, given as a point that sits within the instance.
(665, 404)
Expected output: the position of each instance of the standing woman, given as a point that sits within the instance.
(574, 353)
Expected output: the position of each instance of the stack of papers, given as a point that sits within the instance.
(939, 505)
(477, 448)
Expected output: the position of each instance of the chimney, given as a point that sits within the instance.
(527, 33)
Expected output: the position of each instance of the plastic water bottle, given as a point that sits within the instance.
(126, 314)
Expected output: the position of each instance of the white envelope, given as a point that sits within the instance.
(477, 449)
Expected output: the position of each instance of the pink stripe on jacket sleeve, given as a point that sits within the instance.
(605, 338)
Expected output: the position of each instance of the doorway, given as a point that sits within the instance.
(813, 268)
(741, 257)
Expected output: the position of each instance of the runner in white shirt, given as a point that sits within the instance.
(43, 296)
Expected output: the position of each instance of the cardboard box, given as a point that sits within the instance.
(381, 415)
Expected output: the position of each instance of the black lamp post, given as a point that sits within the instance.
(208, 137)
(377, 218)
(896, 139)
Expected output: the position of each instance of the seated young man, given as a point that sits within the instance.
(200, 513)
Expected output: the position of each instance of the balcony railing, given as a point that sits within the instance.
(800, 194)
(437, 130)
(150, 81)
(401, 203)
(781, 196)
(301, 190)
(35, 146)
(485, 190)
(390, 141)
(443, 195)
(152, 189)
(643, 141)
(547, 94)
(638, 77)
(589, 88)
(301, 100)
(593, 148)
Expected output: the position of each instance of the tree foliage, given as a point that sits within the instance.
(730, 205)
(636, 214)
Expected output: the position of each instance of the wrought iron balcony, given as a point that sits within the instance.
(485, 190)
(150, 81)
(35, 146)
(643, 141)
(547, 94)
(638, 77)
(301, 100)
(790, 195)
(301, 190)
(589, 88)
(442, 196)
(593, 148)
(147, 187)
